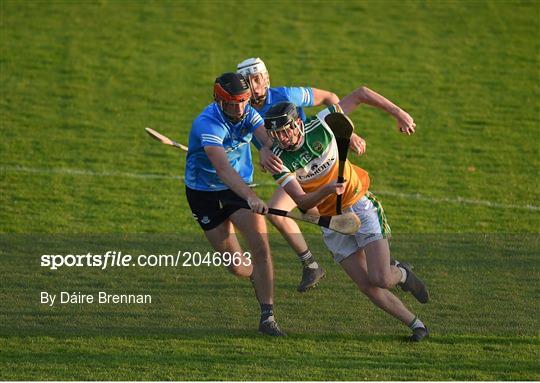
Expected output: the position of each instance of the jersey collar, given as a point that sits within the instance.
(219, 113)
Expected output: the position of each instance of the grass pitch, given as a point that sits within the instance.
(79, 83)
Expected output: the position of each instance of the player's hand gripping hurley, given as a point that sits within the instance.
(342, 127)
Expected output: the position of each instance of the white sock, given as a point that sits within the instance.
(403, 274)
(308, 260)
(416, 323)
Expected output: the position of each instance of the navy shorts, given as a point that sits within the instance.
(212, 208)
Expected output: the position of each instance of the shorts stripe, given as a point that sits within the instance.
(385, 227)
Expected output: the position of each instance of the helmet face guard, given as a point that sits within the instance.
(254, 70)
(284, 126)
(288, 137)
(232, 94)
(259, 84)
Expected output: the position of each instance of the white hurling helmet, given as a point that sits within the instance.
(254, 66)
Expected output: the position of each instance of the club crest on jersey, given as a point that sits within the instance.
(317, 146)
(205, 220)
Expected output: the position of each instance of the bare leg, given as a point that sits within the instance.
(223, 239)
(253, 228)
(356, 268)
(286, 226)
(381, 273)
(312, 273)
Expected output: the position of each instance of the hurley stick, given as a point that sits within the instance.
(342, 127)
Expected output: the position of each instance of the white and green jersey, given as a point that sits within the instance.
(315, 163)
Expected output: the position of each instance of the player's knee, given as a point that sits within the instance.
(381, 280)
(276, 220)
(284, 225)
(237, 272)
(241, 271)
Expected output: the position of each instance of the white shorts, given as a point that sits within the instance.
(373, 227)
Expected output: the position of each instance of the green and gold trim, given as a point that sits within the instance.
(385, 227)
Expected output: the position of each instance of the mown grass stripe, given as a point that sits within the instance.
(415, 196)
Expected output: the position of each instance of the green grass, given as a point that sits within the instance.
(80, 81)
(202, 322)
(243, 357)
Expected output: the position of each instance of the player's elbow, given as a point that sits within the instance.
(360, 94)
(331, 98)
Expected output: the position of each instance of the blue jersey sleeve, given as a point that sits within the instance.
(210, 134)
(300, 96)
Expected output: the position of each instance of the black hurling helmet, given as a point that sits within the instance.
(283, 116)
(231, 88)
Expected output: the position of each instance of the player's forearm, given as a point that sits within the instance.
(372, 98)
(232, 179)
(364, 95)
(226, 173)
(311, 200)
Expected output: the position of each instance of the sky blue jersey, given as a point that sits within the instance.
(212, 128)
(299, 96)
